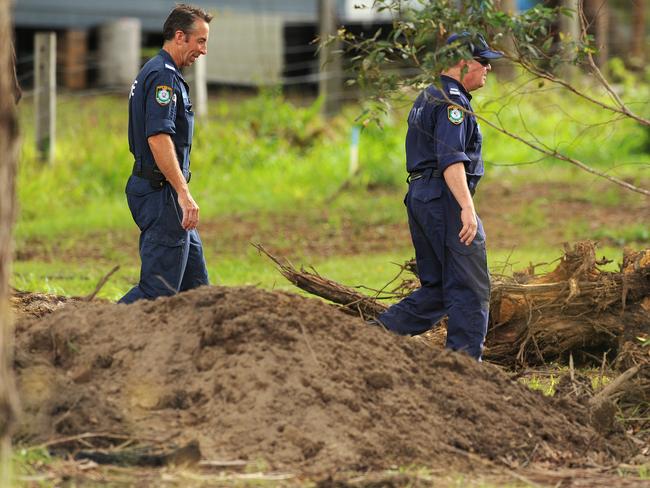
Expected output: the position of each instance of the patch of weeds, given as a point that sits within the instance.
(30, 462)
(257, 466)
(544, 384)
(644, 472)
(462, 481)
(72, 347)
(637, 233)
(610, 196)
(577, 229)
(531, 216)
(598, 381)
(641, 472)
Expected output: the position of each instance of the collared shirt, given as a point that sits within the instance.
(442, 131)
(159, 102)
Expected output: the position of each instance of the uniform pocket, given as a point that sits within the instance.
(477, 245)
(165, 238)
(145, 207)
(426, 189)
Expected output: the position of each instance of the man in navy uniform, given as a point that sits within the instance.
(161, 123)
(443, 158)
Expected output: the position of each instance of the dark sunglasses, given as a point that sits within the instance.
(483, 61)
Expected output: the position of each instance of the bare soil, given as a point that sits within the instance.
(287, 380)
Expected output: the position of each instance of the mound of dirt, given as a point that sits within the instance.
(283, 379)
(35, 304)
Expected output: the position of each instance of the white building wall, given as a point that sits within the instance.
(245, 49)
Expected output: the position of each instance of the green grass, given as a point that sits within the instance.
(31, 463)
(249, 268)
(266, 154)
(264, 159)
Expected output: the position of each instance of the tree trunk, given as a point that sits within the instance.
(8, 161)
(637, 51)
(569, 27)
(505, 68)
(597, 12)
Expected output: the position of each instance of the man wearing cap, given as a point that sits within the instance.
(161, 123)
(443, 159)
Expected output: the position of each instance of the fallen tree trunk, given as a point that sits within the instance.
(533, 319)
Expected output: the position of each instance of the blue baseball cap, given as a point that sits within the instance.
(477, 45)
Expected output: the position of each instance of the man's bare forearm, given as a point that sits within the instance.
(162, 148)
(164, 153)
(457, 182)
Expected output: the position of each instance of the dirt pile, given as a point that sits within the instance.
(25, 303)
(281, 378)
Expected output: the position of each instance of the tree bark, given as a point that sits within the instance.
(597, 12)
(505, 68)
(569, 27)
(8, 162)
(637, 51)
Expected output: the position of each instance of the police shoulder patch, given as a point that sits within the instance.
(163, 94)
(455, 114)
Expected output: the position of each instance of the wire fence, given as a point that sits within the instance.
(270, 52)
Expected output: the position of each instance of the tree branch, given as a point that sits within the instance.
(554, 153)
(621, 109)
(599, 75)
(558, 155)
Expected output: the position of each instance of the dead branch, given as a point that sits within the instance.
(351, 301)
(612, 388)
(100, 285)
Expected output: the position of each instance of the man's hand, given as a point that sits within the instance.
(457, 182)
(190, 211)
(470, 225)
(164, 153)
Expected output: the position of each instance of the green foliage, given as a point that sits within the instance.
(544, 384)
(265, 155)
(417, 41)
(410, 55)
(246, 167)
(620, 74)
(622, 236)
(30, 461)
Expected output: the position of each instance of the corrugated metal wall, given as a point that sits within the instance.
(152, 13)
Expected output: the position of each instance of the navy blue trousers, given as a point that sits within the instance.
(454, 277)
(172, 258)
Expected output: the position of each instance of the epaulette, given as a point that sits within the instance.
(169, 66)
(454, 91)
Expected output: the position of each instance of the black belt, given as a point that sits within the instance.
(154, 175)
(416, 175)
(435, 173)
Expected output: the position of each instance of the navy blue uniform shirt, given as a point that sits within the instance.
(159, 102)
(440, 133)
